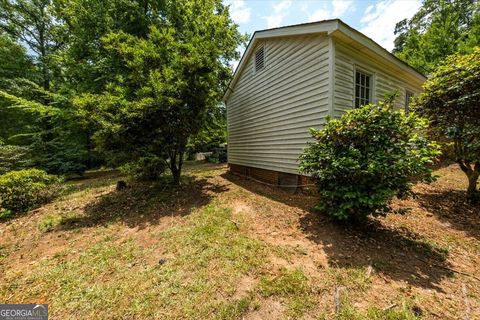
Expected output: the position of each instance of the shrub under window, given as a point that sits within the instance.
(363, 160)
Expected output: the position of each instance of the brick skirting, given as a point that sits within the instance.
(270, 176)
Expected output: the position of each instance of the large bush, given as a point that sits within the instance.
(363, 160)
(23, 190)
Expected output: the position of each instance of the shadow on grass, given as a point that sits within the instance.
(144, 203)
(397, 253)
(452, 207)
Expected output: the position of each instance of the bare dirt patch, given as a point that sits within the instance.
(268, 309)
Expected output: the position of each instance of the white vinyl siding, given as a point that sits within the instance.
(292, 84)
(384, 79)
(270, 112)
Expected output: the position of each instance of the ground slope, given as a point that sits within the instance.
(224, 247)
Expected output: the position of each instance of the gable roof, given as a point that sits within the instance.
(334, 27)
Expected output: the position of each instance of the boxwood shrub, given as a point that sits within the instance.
(364, 159)
(23, 190)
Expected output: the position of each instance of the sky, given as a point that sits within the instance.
(376, 19)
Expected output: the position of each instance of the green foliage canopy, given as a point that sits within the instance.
(14, 60)
(170, 77)
(212, 134)
(52, 140)
(364, 159)
(437, 30)
(33, 23)
(37, 118)
(451, 100)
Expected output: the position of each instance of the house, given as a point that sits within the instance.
(290, 79)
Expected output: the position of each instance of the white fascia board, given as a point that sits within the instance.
(308, 28)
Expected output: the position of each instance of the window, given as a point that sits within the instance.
(408, 99)
(363, 84)
(260, 59)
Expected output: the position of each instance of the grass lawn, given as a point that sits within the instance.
(222, 247)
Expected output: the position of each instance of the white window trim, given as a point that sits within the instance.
(366, 71)
(264, 58)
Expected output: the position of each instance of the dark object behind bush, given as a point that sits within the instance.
(361, 161)
(23, 190)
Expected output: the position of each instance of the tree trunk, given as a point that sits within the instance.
(472, 192)
(42, 43)
(176, 165)
(46, 80)
(89, 150)
(472, 174)
(176, 175)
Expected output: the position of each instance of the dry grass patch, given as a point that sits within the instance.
(201, 264)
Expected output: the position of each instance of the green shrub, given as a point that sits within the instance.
(363, 160)
(145, 168)
(23, 190)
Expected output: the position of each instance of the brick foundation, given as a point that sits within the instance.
(263, 175)
(271, 177)
(304, 180)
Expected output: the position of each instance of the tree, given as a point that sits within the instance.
(212, 134)
(37, 120)
(169, 78)
(438, 29)
(16, 69)
(451, 99)
(364, 159)
(53, 140)
(14, 61)
(13, 158)
(33, 23)
(87, 65)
